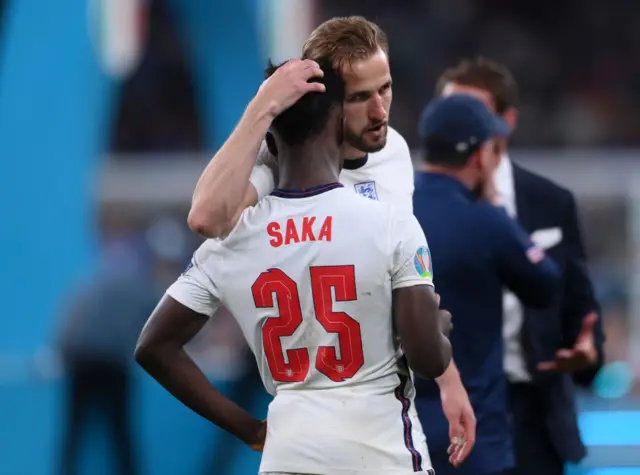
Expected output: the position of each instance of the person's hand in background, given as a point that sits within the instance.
(583, 355)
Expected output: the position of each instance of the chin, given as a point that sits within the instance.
(374, 147)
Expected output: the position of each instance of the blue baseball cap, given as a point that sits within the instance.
(461, 122)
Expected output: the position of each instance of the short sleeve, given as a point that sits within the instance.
(411, 256)
(195, 289)
(262, 177)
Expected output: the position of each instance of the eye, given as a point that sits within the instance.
(359, 97)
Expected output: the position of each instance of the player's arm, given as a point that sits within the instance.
(179, 316)
(223, 190)
(524, 268)
(415, 304)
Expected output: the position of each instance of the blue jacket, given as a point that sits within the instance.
(477, 251)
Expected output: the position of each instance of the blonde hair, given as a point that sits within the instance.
(344, 40)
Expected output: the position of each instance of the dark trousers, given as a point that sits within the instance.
(535, 453)
(104, 388)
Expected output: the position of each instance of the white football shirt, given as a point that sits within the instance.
(309, 277)
(386, 176)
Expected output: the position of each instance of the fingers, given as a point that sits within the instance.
(257, 447)
(456, 439)
(438, 299)
(462, 435)
(460, 455)
(304, 69)
(299, 72)
(565, 354)
(547, 366)
(314, 87)
(587, 325)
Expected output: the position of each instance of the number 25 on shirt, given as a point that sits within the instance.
(276, 283)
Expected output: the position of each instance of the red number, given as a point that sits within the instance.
(277, 282)
(343, 280)
(340, 278)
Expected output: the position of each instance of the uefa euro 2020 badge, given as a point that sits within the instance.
(422, 262)
(367, 189)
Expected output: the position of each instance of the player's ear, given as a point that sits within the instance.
(511, 118)
(475, 161)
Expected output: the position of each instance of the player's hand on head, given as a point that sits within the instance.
(289, 83)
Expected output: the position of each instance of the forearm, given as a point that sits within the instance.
(179, 375)
(433, 363)
(222, 187)
(450, 378)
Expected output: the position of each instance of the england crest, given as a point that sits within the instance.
(367, 189)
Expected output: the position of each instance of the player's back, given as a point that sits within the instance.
(308, 277)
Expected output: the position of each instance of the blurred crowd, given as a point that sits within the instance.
(576, 63)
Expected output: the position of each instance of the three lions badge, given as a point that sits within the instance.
(367, 189)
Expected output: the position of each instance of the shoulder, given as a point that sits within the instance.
(250, 218)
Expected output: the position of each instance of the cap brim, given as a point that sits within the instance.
(500, 127)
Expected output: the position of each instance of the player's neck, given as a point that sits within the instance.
(304, 167)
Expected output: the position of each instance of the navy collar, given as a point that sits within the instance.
(447, 181)
(313, 191)
(355, 163)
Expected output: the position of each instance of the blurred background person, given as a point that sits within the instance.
(96, 346)
(476, 250)
(110, 109)
(98, 338)
(566, 337)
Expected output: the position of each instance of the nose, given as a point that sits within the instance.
(376, 108)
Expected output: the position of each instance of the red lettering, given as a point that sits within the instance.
(325, 231)
(307, 230)
(273, 230)
(292, 233)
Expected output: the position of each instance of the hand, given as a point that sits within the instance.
(462, 421)
(583, 355)
(288, 84)
(261, 436)
(489, 192)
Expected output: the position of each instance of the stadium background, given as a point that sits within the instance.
(109, 109)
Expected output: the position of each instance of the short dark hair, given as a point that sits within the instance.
(308, 117)
(486, 74)
(441, 151)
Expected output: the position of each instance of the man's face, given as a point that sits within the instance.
(367, 102)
